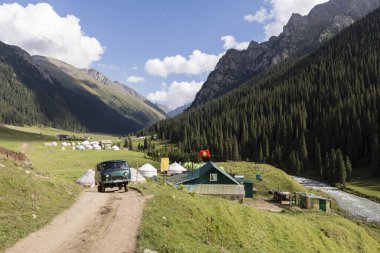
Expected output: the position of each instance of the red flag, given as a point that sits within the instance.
(204, 153)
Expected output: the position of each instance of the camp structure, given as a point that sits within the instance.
(282, 197)
(210, 179)
(115, 148)
(136, 177)
(147, 170)
(106, 144)
(175, 168)
(310, 201)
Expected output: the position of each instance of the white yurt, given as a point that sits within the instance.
(80, 147)
(87, 179)
(147, 170)
(115, 148)
(64, 144)
(96, 147)
(54, 144)
(136, 177)
(85, 143)
(175, 168)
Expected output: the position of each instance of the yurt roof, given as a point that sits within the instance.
(176, 167)
(147, 167)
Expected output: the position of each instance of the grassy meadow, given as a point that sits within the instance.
(176, 221)
(30, 197)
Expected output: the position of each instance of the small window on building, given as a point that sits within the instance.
(213, 177)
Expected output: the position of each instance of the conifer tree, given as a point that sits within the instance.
(318, 159)
(341, 168)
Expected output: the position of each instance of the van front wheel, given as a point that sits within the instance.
(126, 187)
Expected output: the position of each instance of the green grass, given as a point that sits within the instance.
(176, 221)
(25, 192)
(368, 188)
(50, 187)
(69, 164)
(272, 178)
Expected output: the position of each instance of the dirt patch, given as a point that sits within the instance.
(264, 204)
(97, 222)
(15, 156)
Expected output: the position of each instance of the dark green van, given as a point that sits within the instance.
(114, 173)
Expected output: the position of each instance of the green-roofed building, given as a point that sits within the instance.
(210, 179)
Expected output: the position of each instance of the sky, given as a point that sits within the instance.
(164, 49)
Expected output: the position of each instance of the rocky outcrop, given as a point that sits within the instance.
(300, 36)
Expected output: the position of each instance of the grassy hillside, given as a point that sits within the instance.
(29, 200)
(130, 104)
(272, 178)
(176, 221)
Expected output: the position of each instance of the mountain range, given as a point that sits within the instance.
(300, 36)
(39, 90)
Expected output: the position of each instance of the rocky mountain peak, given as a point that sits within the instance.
(98, 76)
(300, 36)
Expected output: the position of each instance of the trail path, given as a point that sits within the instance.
(97, 222)
(354, 205)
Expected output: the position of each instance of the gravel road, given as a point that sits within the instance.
(357, 206)
(97, 222)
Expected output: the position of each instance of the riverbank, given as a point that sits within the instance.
(354, 205)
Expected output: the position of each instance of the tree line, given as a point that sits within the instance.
(319, 115)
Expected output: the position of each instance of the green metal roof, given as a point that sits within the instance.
(194, 174)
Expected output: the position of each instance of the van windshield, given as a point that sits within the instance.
(114, 166)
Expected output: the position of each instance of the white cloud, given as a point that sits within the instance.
(260, 16)
(230, 42)
(280, 13)
(41, 31)
(197, 63)
(135, 79)
(176, 94)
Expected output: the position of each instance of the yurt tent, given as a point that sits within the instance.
(115, 148)
(85, 143)
(147, 170)
(136, 177)
(96, 147)
(175, 168)
(87, 179)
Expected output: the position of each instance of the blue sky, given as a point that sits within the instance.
(123, 37)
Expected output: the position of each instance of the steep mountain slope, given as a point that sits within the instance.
(122, 98)
(322, 108)
(301, 35)
(30, 96)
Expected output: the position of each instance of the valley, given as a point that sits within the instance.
(201, 126)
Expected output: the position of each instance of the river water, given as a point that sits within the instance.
(354, 205)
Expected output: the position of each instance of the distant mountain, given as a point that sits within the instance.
(163, 107)
(178, 110)
(37, 90)
(301, 35)
(123, 99)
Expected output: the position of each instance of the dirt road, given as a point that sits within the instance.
(97, 222)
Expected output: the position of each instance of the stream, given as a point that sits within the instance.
(356, 206)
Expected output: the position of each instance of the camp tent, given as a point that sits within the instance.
(115, 148)
(136, 177)
(147, 170)
(175, 168)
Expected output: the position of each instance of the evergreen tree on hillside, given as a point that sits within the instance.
(318, 160)
(341, 168)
